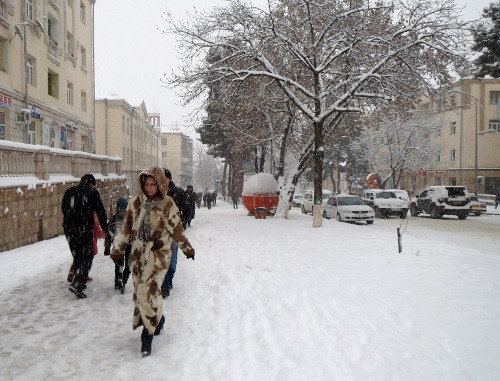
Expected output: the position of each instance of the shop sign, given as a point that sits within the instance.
(5, 101)
(35, 113)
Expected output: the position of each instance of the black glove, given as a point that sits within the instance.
(192, 257)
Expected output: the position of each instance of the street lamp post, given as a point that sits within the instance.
(476, 101)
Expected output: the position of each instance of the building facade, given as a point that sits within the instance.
(123, 130)
(469, 139)
(177, 156)
(47, 73)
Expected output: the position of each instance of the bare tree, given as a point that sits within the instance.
(328, 57)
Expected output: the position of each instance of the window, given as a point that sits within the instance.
(453, 181)
(52, 138)
(4, 54)
(70, 45)
(163, 155)
(438, 132)
(494, 97)
(82, 13)
(438, 156)
(53, 28)
(494, 125)
(3, 10)
(123, 123)
(69, 93)
(83, 52)
(453, 101)
(83, 101)
(53, 84)
(2, 125)
(31, 133)
(164, 141)
(30, 71)
(29, 10)
(453, 128)
(437, 180)
(452, 155)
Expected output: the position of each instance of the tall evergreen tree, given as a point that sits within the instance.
(487, 41)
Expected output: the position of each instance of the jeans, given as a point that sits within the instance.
(167, 282)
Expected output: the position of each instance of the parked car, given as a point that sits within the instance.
(308, 201)
(348, 208)
(439, 200)
(385, 203)
(297, 199)
(477, 207)
(402, 195)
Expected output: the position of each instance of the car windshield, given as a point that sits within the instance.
(298, 197)
(326, 196)
(350, 201)
(386, 195)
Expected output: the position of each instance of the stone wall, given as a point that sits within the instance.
(29, 214)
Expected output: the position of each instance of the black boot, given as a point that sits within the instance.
(160, 326)
(147, 341)
(78, 293)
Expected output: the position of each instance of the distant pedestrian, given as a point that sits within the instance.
(198, 199)
(152, 222)
(497, 198)
(115, 224)
(191, 201)
(209, 200)
(78, 206)
(179, 197)
(235, 200)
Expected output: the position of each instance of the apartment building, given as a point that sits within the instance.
(123, 130)
(177, 156)
(47, 73)
(469, 139)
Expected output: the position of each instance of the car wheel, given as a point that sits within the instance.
(339, 218)
(463, 215)
(477, 213)
(403, 214)
(369, 222)
(413, 210)
(377, 212)
(434, 212)
(325, 215)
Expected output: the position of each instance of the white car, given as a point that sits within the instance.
(308, 201)
(402, 195)
(297, 199)
(385, 203)
(348, 208)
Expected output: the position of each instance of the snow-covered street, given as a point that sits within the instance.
(267, 300)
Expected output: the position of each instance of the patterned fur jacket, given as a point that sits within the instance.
(149, 261)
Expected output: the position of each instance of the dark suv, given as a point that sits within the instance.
(439, 200)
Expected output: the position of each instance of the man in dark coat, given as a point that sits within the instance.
(191, 201)
(78, 206)
(179, 197)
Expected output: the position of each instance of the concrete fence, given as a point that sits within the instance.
(33, 180)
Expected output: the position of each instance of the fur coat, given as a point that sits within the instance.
(149, 261)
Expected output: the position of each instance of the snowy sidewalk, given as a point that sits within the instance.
(264, 300)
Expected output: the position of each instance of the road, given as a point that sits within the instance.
(481, 232)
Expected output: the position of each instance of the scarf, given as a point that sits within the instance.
(145, 228)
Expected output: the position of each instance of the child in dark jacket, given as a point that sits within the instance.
(122, 271)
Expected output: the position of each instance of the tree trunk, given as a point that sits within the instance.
(318, 156)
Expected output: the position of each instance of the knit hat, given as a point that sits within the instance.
(121, 204)
(87, 179)
(168, 174)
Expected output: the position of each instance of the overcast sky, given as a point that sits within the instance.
(131, 54)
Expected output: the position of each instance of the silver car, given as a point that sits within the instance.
(348, 208)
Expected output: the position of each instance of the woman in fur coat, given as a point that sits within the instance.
(151, 222)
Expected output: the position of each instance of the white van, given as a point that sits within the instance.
(308, 201)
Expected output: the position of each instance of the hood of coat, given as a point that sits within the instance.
(159, 176)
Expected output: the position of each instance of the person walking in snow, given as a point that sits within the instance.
(235, 200)
(115, 224)
(153, 221)
(78, 206)
(179, 197)
(191, 201)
